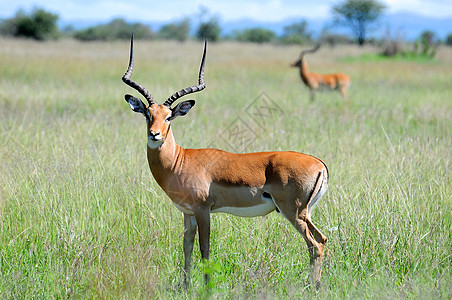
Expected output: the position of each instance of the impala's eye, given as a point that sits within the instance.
(168, 118)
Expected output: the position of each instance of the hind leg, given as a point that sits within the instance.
(315, 241)
(344, 92)
(298, 216)
(297, 210)
(311, 94)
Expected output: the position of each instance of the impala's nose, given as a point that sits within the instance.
(155, 136)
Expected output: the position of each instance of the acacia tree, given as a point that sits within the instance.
(358, 15)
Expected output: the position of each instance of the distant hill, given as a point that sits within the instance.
(410, 25)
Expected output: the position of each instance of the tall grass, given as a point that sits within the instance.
(82, 217)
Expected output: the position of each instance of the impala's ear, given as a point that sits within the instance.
(182, 108)
(136, 105)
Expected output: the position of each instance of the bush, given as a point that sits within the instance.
(293, 39)
(427, 44)
(296, 33)
(424, 47)
(209, 30)
(333, 39)
(449, 39)
(429, 37)
(256, 35)
(178, 31)
(8, 27)
(116, 29)
(392, 43)
(39, 25)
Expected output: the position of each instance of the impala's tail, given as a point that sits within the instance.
(319, 189)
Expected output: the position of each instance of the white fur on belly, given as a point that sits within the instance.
(261, 209)
(186, 209)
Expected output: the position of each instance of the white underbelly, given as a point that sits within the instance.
(184, 207)
(260, 209)
(251, 206)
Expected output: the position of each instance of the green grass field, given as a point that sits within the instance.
(82, 217)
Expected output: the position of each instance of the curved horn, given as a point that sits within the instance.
(133, 84)
(201, 84)
(316, 47)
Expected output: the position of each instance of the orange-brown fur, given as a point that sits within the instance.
(201, 181)
(315, 81)
(194, 176)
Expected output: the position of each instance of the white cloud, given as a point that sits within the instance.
(436, 8)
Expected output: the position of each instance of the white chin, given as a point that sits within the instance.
(154, 144)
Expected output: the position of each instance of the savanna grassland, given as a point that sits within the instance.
(82, 217)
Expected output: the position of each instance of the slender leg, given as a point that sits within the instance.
(311, 94)
(189, 239)
(202, 215)
(319, 237)
(318, 250)
(343, 90)
(315, 241)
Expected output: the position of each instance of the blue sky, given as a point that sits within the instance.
(228, 10)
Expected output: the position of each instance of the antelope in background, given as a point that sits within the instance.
(204, 181)
(315, 81)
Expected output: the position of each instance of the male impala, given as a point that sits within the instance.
(314, 81)
(204, 181)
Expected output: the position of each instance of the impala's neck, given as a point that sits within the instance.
(304, 70)
(165, 160)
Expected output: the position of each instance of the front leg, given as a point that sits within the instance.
(189, 239)
(311, 94)
(202, 215)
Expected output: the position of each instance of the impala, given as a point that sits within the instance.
(204, 181)
(315, 81)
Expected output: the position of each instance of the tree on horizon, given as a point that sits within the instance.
(358, 15)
